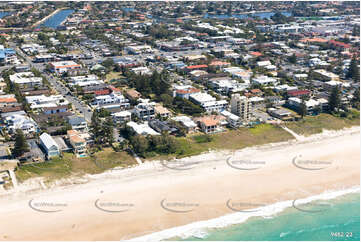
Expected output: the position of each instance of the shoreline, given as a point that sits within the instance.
(199, 228)
(210, 183)
(113, 173)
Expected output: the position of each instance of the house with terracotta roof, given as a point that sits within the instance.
(255, 53)
(209, 124)
(196, 67)
(132, 94)
(219, 64)
(184, 91)
(299, 93)
(77, 142)
(339, 45)
(314, 40)
(7, 100)
(162, 111)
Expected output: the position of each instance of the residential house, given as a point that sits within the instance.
(56, 109)
(162, 126)
(49, 145)
(7, 100)
(264, 80)
(78, 123)
(121, 117)
(77, 142)
(162, 111)
(312, 106)
(132, 94)
(142, 129)
(19, 120)
(208, 124)
(184, 91)
(187, 122)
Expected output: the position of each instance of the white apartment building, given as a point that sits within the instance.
(26, 79)
(42, 101)
(264, 80)
(83, 81)
(209, 103)
(112, 98)
(145, 110)
(241, 106)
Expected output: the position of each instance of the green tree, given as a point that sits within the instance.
(303, 109)
(95, 128)
(108, 130)
(334, 99)
(354, 71)
(356, 99)
(292, 59)
(140, 144)
(21, 146)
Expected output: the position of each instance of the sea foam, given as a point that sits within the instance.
(198, 229)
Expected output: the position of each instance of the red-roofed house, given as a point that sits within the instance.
(114, 89)
(219, 64)
(102, 92)
(184, 93)
(255, 53)
(339, 45)
(196, 67)
(298, 93)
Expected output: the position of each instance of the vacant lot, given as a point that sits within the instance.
(315, 124)
(113, 75)
(231, 140)
(69, 164)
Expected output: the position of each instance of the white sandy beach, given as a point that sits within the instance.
(195, 194)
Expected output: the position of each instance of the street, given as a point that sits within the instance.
(58, 86)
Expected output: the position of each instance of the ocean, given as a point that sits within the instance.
(333, 215)
(339, 220)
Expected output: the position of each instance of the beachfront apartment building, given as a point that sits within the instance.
(241, 106)
(63, 66)
(313, 106)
